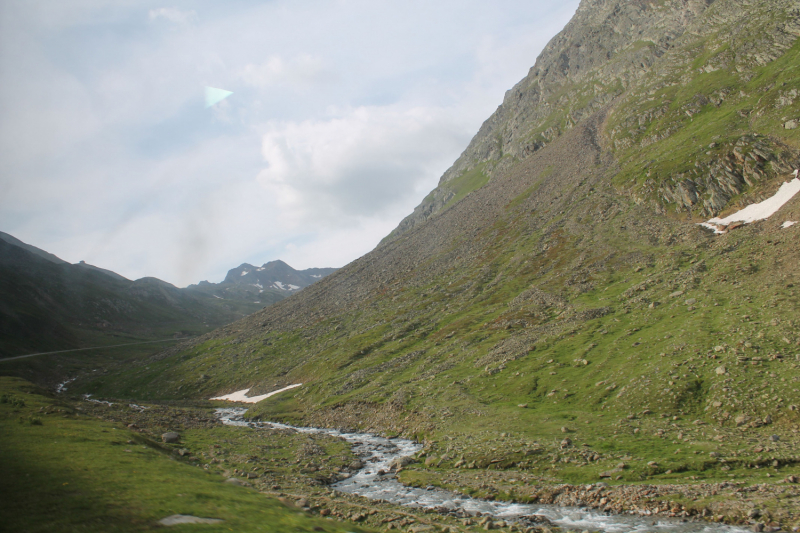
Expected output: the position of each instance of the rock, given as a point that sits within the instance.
(356, 465)
(430, 460)
(719, 348)
(419, 528)
(716, 404)
(676, 294)
(791, 125)
(792, 479)
(740, 420)
(400, 462)
(721, 370)
(523, 406)
(302, 502)
(758, 528)
(171, 437)
(691, 301)
(566, 443)
(234, 481)
(177, 519)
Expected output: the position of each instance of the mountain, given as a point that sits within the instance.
(557, 283)
(48, 304)
(267, 284)
(32, 249)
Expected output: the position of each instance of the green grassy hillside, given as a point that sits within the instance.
(65, 470)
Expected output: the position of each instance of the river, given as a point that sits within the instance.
(374, 481)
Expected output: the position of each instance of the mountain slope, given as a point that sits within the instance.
(48, 304)
(10, 239)
(564, 290)
(55, 306)
(690, 74)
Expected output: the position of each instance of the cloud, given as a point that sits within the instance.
(360, 162)
(345, 116)
(304, 69)
(173, 15)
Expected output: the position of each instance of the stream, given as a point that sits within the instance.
(375, 481)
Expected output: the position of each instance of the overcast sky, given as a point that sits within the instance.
(344, 115)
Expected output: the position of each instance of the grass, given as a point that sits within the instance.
(72, 472)
(466, 183)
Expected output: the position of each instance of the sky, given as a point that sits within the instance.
(343, 117)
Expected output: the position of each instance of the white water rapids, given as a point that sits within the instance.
(372, 482)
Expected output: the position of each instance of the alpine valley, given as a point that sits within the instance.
(552, 323)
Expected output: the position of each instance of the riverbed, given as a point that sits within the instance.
(377, 482)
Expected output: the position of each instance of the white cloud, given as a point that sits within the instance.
(359, 162)
(304, 69)
(173, 15)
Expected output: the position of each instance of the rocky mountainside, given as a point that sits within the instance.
(689, 73)
(556, 284)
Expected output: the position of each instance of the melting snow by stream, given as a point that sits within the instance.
(374, 482)
(241, 395)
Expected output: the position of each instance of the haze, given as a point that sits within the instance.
(344, 116)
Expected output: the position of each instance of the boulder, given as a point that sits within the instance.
(171, 437)
(400, 462)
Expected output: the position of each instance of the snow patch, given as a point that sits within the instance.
(280, 286)
(259, 285)
(759, 211)
(241, 395)
(215, 296)
(293, 287)
(245, 272)
(788, 224)
(316, 276)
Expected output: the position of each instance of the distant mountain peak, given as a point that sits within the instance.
(275, 274)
